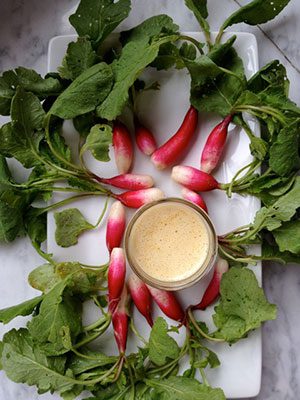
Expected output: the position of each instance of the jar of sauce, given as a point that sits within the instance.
(171, 243)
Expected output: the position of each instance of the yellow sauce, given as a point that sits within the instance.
(169, 241)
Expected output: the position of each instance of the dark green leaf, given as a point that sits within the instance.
(70, 224)
(272, 252)
(284, 152)
(288, 237)
(182, 388)
(30, 81)
(280, 211)
(243, 305)
(219, 95)
(25, 308)
(23, 362)
(84, 123)
(80, 364)
(272, 74)
(136, 55)
(98, 18)
(36, 225)
(257, 12)
(58, 322)
(43, 278)
(199, 9)
(258, 147)
(21, 138)
(98, 142)
(168, 57)
(82, 280)
(84, 94)
(7, 91)
(151, 27)
(161, 345)
(79, 57)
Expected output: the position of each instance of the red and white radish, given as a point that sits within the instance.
(123, 148)
(137, 198)
(144, 139)
(214, 146)
(116, 277)
(115, 225)
(167, 155)
(129, 181)
(168, 303)
(194, 179)
(213, 289)
(195, 198)
(141, 297)
(120, 321)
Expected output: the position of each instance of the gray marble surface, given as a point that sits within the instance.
(25, 29)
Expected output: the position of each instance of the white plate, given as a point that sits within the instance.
(162, 111)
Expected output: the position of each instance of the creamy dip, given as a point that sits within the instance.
(169, 241)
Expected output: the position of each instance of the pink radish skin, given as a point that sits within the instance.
(195, 198)
(129, 181)
(141, 297)
(168, 303)
(166, 155)
(137, 198)
(123, 148)
(120, 321)
(214, 146)
(194, 179)
(115, 226)
(116, 277)
(144, 139)
(213, 289)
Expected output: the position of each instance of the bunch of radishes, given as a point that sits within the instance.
(140, 193)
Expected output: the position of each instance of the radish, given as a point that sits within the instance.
(168, 153)
(144, 139)
(195, 198)
(115, 226)
(168, 303)
(141, 297)
(214, 146)
(120, 321)
(129, 181)
(138, 198)
(122, 147)
(116, 277)
(213, 289)
(194, 179)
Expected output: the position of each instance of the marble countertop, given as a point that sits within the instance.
(25, 30)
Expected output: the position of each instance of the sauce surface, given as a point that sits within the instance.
(169, 241)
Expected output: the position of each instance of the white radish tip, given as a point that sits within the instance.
(117, 252)
(117, 210)
(154, 194)
(222, 266)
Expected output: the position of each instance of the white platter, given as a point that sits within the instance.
(240, 372)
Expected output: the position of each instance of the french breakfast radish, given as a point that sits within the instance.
(141, 297)
(120, 321)
(194, 179)
(194, 197)
(213, 289)
(214, 146)
(168, 303)
(167, 155)
(137, 198)
(129, 181)
(144, 138)
(123, 148)
(115, 226)
(116, 277)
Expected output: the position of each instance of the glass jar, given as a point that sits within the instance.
(137, 221)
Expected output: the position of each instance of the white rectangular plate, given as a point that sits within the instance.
(162, 111)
